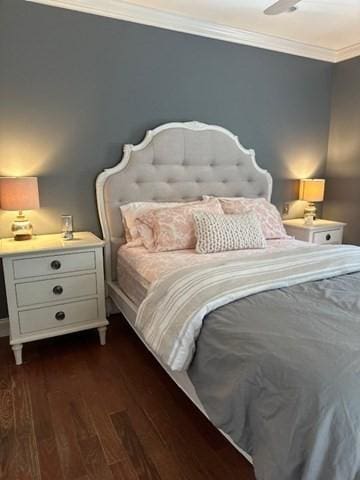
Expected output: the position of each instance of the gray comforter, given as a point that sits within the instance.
(279, 371)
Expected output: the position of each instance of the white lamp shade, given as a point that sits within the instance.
(312, 189)
(19, 193)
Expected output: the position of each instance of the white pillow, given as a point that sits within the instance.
(220, 232)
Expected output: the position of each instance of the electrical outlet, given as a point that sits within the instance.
(286, 208)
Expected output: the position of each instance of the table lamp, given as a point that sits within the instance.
(19, 193)
(311, 190)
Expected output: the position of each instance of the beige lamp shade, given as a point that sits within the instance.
(312, 189)
(19, 193)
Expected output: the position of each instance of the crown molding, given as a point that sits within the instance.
(348, 52)
(122, 10)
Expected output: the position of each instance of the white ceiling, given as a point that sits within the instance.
(333, 24)
(323, 29)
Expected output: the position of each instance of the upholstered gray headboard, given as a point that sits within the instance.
(176, 161)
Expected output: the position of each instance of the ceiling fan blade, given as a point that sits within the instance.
(280, 6)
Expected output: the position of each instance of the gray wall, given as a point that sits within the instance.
(343, 167)
(74, 88)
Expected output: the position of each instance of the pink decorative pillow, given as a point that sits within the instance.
(266, 212)
(173, 228)
(131, 211)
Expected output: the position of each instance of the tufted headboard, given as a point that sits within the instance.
(176, 161)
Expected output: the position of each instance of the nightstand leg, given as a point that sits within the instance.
(102, 335)
(17, 349)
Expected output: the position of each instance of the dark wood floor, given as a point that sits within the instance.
(78, 411)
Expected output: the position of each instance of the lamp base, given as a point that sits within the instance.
(21, 237)
(310, 214)
(21, 228)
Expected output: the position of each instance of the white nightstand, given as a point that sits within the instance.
(321, 232)
(53, 287)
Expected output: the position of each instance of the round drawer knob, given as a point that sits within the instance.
(59, 315)
(55, 265)
(58, 290)
(328, 237)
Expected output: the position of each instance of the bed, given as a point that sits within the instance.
(175, 161)
(184, 161)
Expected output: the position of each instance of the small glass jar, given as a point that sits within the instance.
(67, 227)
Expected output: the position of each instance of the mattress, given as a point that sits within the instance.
(137, 268)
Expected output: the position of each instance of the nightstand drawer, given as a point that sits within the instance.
(58, 316)
(329, 236)
(54, 264)
(56, 289)
(320, 231)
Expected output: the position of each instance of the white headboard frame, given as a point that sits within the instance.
(176, 161)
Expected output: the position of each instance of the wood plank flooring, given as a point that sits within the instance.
(78, 411)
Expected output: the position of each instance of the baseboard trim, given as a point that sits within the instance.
(4, 327)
